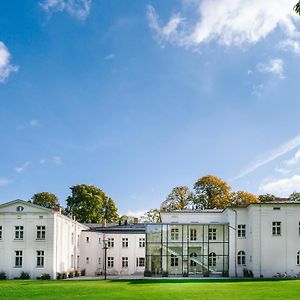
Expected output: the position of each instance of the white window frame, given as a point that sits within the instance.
(142, 242)
(1, 232)
(40, 258)
(193, 234)
(242, 231)
(140, 262)
(125, 243)
(40, 232)
(241, 258)
(212, 234)
(212, 259)
(18, 259)
(110, 242)
(19, 232)
(276, 228)
(124, 262)
(110, 262)
(174, 234)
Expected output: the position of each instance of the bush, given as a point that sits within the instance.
(165, 274)
(225, 274)
(76, 273)
(58, 276)
(71, 274)
(64, 275)
(24, 275)
(2, 276)
(83, 272)
(45, 276)
(247, 273)
(206, 274)
(147, 273)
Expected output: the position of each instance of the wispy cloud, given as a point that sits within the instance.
(135, 213)
(109, 56)
(270, 156)
(22, 167)
(6, 68)
(290, 45)
(35, 123)
(4, 181)
(79, 9)
(274, 66)
(57, 160)
(228, 22)
(281, 187)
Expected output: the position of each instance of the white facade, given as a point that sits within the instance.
(263, 238)
(37, 240)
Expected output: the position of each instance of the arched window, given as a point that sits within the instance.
(192, 262)
(298, 258)
(241, 258)
(212, 259)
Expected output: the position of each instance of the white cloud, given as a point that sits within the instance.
(109, 56)
(35, 123)
(79, 9)
(229, 22)
(294, 160)
(290, 45)
(6, 68)
(23, 167)
(270, 156)
(136, 213)
(281, 187)
(4, 181)
(57, 160)
(274, 66)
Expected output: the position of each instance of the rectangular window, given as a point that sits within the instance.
(87, 239)
(72, 238)
(18, 259)
(212, 234)
(125, 242)
(276, 228)
(242, 231)
(193, 234)
(124, 262)
(40, 232)
(72, 261)
(110, 262)
(142, 242)
(174, 234)
(40, 258)
(110, 242)
(19, 232)
(140, 261)
(99, 260)
(174, 261)
(99, 240)
(78, 261)
(78, 240)
(87, 260)
(0, 232)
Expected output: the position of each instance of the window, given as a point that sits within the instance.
(19, 232)
(18, 259)
(125, 242)
(142, 242)
(298, 229)
(212, 234)
(87, 260)
(110, 242)
(87, 239)
(241, 231)
(193, 234)
(0, 232)
(193, 263)
(174, 234)
(298, 258)
(110, 262)
(78, 240)
(72, 238)
(124, 262)
(99, 240)
(174, 260)
(99, 260)
(241, 258)
(140, 261)
(19, 208)
(212, 259)
(40, 232)
(72, 261)
(78, 258)
(276, 228)
(40, 258)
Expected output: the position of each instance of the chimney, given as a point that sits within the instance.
(125, 222)
(104, 222)
(135, 220)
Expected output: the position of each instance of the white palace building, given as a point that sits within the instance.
(259, 239)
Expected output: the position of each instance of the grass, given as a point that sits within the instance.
(151, 289)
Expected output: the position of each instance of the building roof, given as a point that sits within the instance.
(115, 228)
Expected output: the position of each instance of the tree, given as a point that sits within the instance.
(295, 196)
(297, 8)
(211, 192)
(151, 216)
(243, 198)
(45, 199)
(180, 198)
(266, 198)
(89, 204)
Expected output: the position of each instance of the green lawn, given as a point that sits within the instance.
(151, 289)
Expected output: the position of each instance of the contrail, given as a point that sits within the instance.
(270, 156)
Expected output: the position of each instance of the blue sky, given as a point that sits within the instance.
(137, 97)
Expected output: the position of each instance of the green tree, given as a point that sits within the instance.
(243, 198)
(297, 8)
(180, 198)
(295, 196)
(89, 204)
(45, 199)
(211, 192)
(151, 216)
(266, 198)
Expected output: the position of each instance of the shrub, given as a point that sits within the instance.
(247, 273)
(76, 273)
(64, 275)
(206, 274)
(147, 273)
(83, 272)
(165, 274)
(45, 276)
(59, 276)
(24, 275)
(225, 274)
(71, 274)
(2, 276)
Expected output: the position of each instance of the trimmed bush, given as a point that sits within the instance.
(83, 272)
(2, 276)
(59, 276)
(76, 273)
(45, 276)
(64, 275)
(71, 274)
(24, 275)
(147, 273)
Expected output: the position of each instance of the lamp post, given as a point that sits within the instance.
(105, 254)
